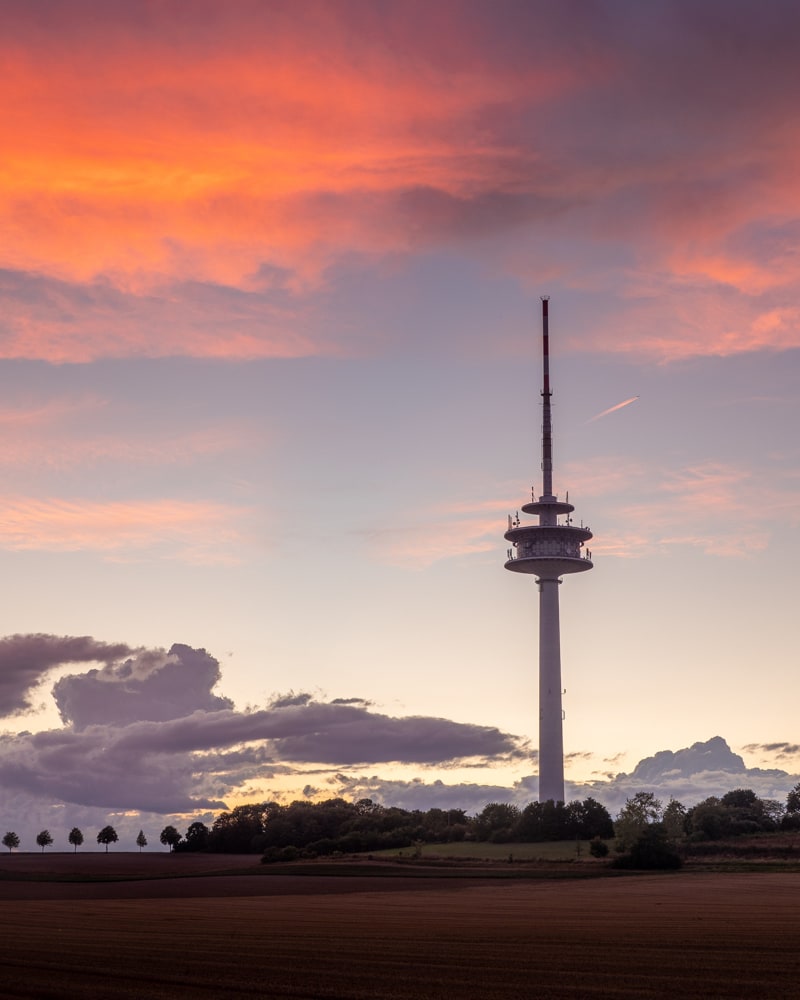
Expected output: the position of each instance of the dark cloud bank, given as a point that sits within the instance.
(144, 733)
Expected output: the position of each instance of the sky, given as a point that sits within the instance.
(270, 281)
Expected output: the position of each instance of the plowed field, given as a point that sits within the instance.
(209, 935)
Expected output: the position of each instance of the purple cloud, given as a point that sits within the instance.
(323, 733)
(26, 659)
(90, 769)
(147, 732)
(151, 685)
(778, 749)
(419, 794)
(689, 775)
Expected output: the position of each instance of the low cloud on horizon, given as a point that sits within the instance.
(145, 731)
(145, 735)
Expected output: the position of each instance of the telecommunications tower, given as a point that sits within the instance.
(548, 550)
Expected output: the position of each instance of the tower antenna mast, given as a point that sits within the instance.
(547, 423)
(548, 550)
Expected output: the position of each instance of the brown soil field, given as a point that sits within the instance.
(119, 864)
(208, 934)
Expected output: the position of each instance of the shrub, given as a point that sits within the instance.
(650, 850)
(598, 848)
(504, 836)
(278, 854)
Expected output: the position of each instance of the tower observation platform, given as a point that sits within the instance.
(548, 550)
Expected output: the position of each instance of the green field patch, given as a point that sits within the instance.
(557, 850)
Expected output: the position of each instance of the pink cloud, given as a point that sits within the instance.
(193, 532)
(417, 546)
(665, 322)
(723, 510)
(54, 436)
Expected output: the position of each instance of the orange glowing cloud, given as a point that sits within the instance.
(146, 172)
(134, 158)
(152, 154)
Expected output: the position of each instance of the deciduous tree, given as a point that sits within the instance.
(11, 840)
(497, 822)
(44, 839)
(196, 838)
(170, 836)
(674, 819)
(240, 830)
(709, 820)
(141, 840)
(740, 798)
(108, 835)
(773, 812)
(75, 838)
(738, 812)
(636, 815)
(593, 819)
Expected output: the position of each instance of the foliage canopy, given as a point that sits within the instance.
(108, 835)
(44, 839)
(11, 840)
(170, 837)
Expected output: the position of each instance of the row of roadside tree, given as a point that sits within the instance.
(108, 835)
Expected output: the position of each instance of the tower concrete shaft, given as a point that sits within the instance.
(551, 737)
(548, 550)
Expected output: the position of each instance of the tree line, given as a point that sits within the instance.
(323, 828)
(336, 826)
(736, 813)
(108, 835)
(652, 835)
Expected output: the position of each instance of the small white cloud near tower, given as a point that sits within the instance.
(548, 550)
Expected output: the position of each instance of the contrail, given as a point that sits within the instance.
(611, 409)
